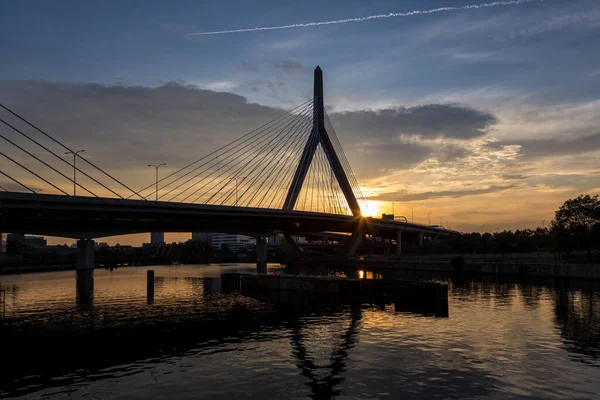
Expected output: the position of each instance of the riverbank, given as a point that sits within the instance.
(551, 270)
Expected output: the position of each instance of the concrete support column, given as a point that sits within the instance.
(84, 289)
(399, 242)
(85, 254)
(261, 255)
(157, 238)
(420, 243)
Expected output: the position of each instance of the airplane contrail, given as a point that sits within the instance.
(370, 17)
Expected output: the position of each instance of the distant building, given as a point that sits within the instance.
(204, 237)
(36, 241)
(157, 238)
(233, 242)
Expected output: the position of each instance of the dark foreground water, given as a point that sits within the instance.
(104, 338)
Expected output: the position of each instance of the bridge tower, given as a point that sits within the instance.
(318, 136)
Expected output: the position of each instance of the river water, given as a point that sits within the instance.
(104, 337)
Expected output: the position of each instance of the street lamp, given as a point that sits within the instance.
(482, 225)
(75, 153)
(236, 186)
(428, 218)
(157, 166)
(412, 208)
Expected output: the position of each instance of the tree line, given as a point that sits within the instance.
(575, 229)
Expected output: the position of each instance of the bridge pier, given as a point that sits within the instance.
(85, 254)
(261, 255)
(399, 242)
(84, 288)
(420, 242)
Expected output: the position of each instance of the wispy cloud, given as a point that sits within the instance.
(222, 86)
(368, 18)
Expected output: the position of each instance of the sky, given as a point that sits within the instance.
(481, 116)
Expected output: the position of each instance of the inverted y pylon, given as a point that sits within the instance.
(319, 135)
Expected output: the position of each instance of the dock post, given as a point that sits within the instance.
(261, 255)
(85, 254)
(150, 286)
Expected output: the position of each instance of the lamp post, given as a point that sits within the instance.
(75, 153)
(157, 166)
(412, 208)
(236, 186)
(429, 218)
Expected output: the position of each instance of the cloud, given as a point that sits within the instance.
(222, 86)
(426, 121)
(541, 148)
(403, 196)
(124, 128)
(383, 159)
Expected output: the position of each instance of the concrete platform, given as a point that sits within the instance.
(325, 291)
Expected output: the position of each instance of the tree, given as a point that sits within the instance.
(577, 223)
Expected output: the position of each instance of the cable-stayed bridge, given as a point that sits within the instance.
(289, 176)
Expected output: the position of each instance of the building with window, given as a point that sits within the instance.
(233, 242)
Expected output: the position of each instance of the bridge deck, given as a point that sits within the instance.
(90, 217)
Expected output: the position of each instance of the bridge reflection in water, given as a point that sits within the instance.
(97, 334)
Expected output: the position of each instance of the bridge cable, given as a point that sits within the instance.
(243, 138)
(291, 161)
(252, 144)
(68, 149)
(56, 155)
(247, 147)
(46, 164)
(17, 182)
(326, 189)
(285, 156)
(280, 147)
(231, 166)
(340, 151)
(273, 145)
(259, 153)
(347, 168)
(316, 105)
(33, 173)
(298, 137)
(266, 172)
